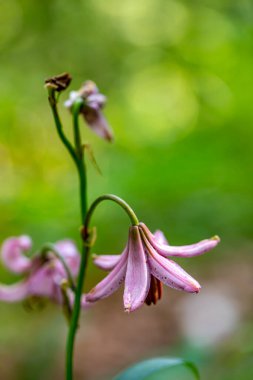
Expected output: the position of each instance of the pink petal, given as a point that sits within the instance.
(96, 100)
(84, 303)
(12, 254)
(42, 283)
(111, 282)
(106, 262)
(14, 293)
(181, 251)
(137, 280)
(160, 238)
(169, 272)
(97, 122)
(71, 255)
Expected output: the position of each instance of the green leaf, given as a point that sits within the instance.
(142, 370)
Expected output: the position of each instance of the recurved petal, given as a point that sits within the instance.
(158, 235)
(96, 100)
(13, 253)
(192, 250)
(169, 272)
(14, 293)
(111, 282)
(67, 249)
(160, 238)
(106, 262)
(137, 280)
(181, 251)
(69, 252)
(84, 303)
(42, 282)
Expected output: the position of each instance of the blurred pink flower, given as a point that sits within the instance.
(92, 109)
(43, 274)
(144, 265)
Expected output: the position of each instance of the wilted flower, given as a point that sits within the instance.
(44, 274)
(58, 83)
(144, 265)
(93, 102)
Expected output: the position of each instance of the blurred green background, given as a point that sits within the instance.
(178, 77)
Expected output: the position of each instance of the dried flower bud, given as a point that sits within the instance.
(58, 83)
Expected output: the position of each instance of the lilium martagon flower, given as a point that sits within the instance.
(144, 266)
(43, 275)
(93, 103)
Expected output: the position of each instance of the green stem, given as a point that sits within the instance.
(83, 265)
(77, 136)
(59, 128)
(85, 250)
(80, 158)
(116, 199)
(75, 315)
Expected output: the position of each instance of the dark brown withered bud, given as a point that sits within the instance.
(59, 83)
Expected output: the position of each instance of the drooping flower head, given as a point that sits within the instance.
(43, 274)
(144, 265)
(93, 103)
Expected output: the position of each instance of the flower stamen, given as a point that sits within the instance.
(155, 291)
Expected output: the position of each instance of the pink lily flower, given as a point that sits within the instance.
(43, 275)
(144, 265)
(92, 109)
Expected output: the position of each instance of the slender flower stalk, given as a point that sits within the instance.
(77, 154)
(53, 103)
(83, 264)
(116, 199)
(89, 103)
(80, 159)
